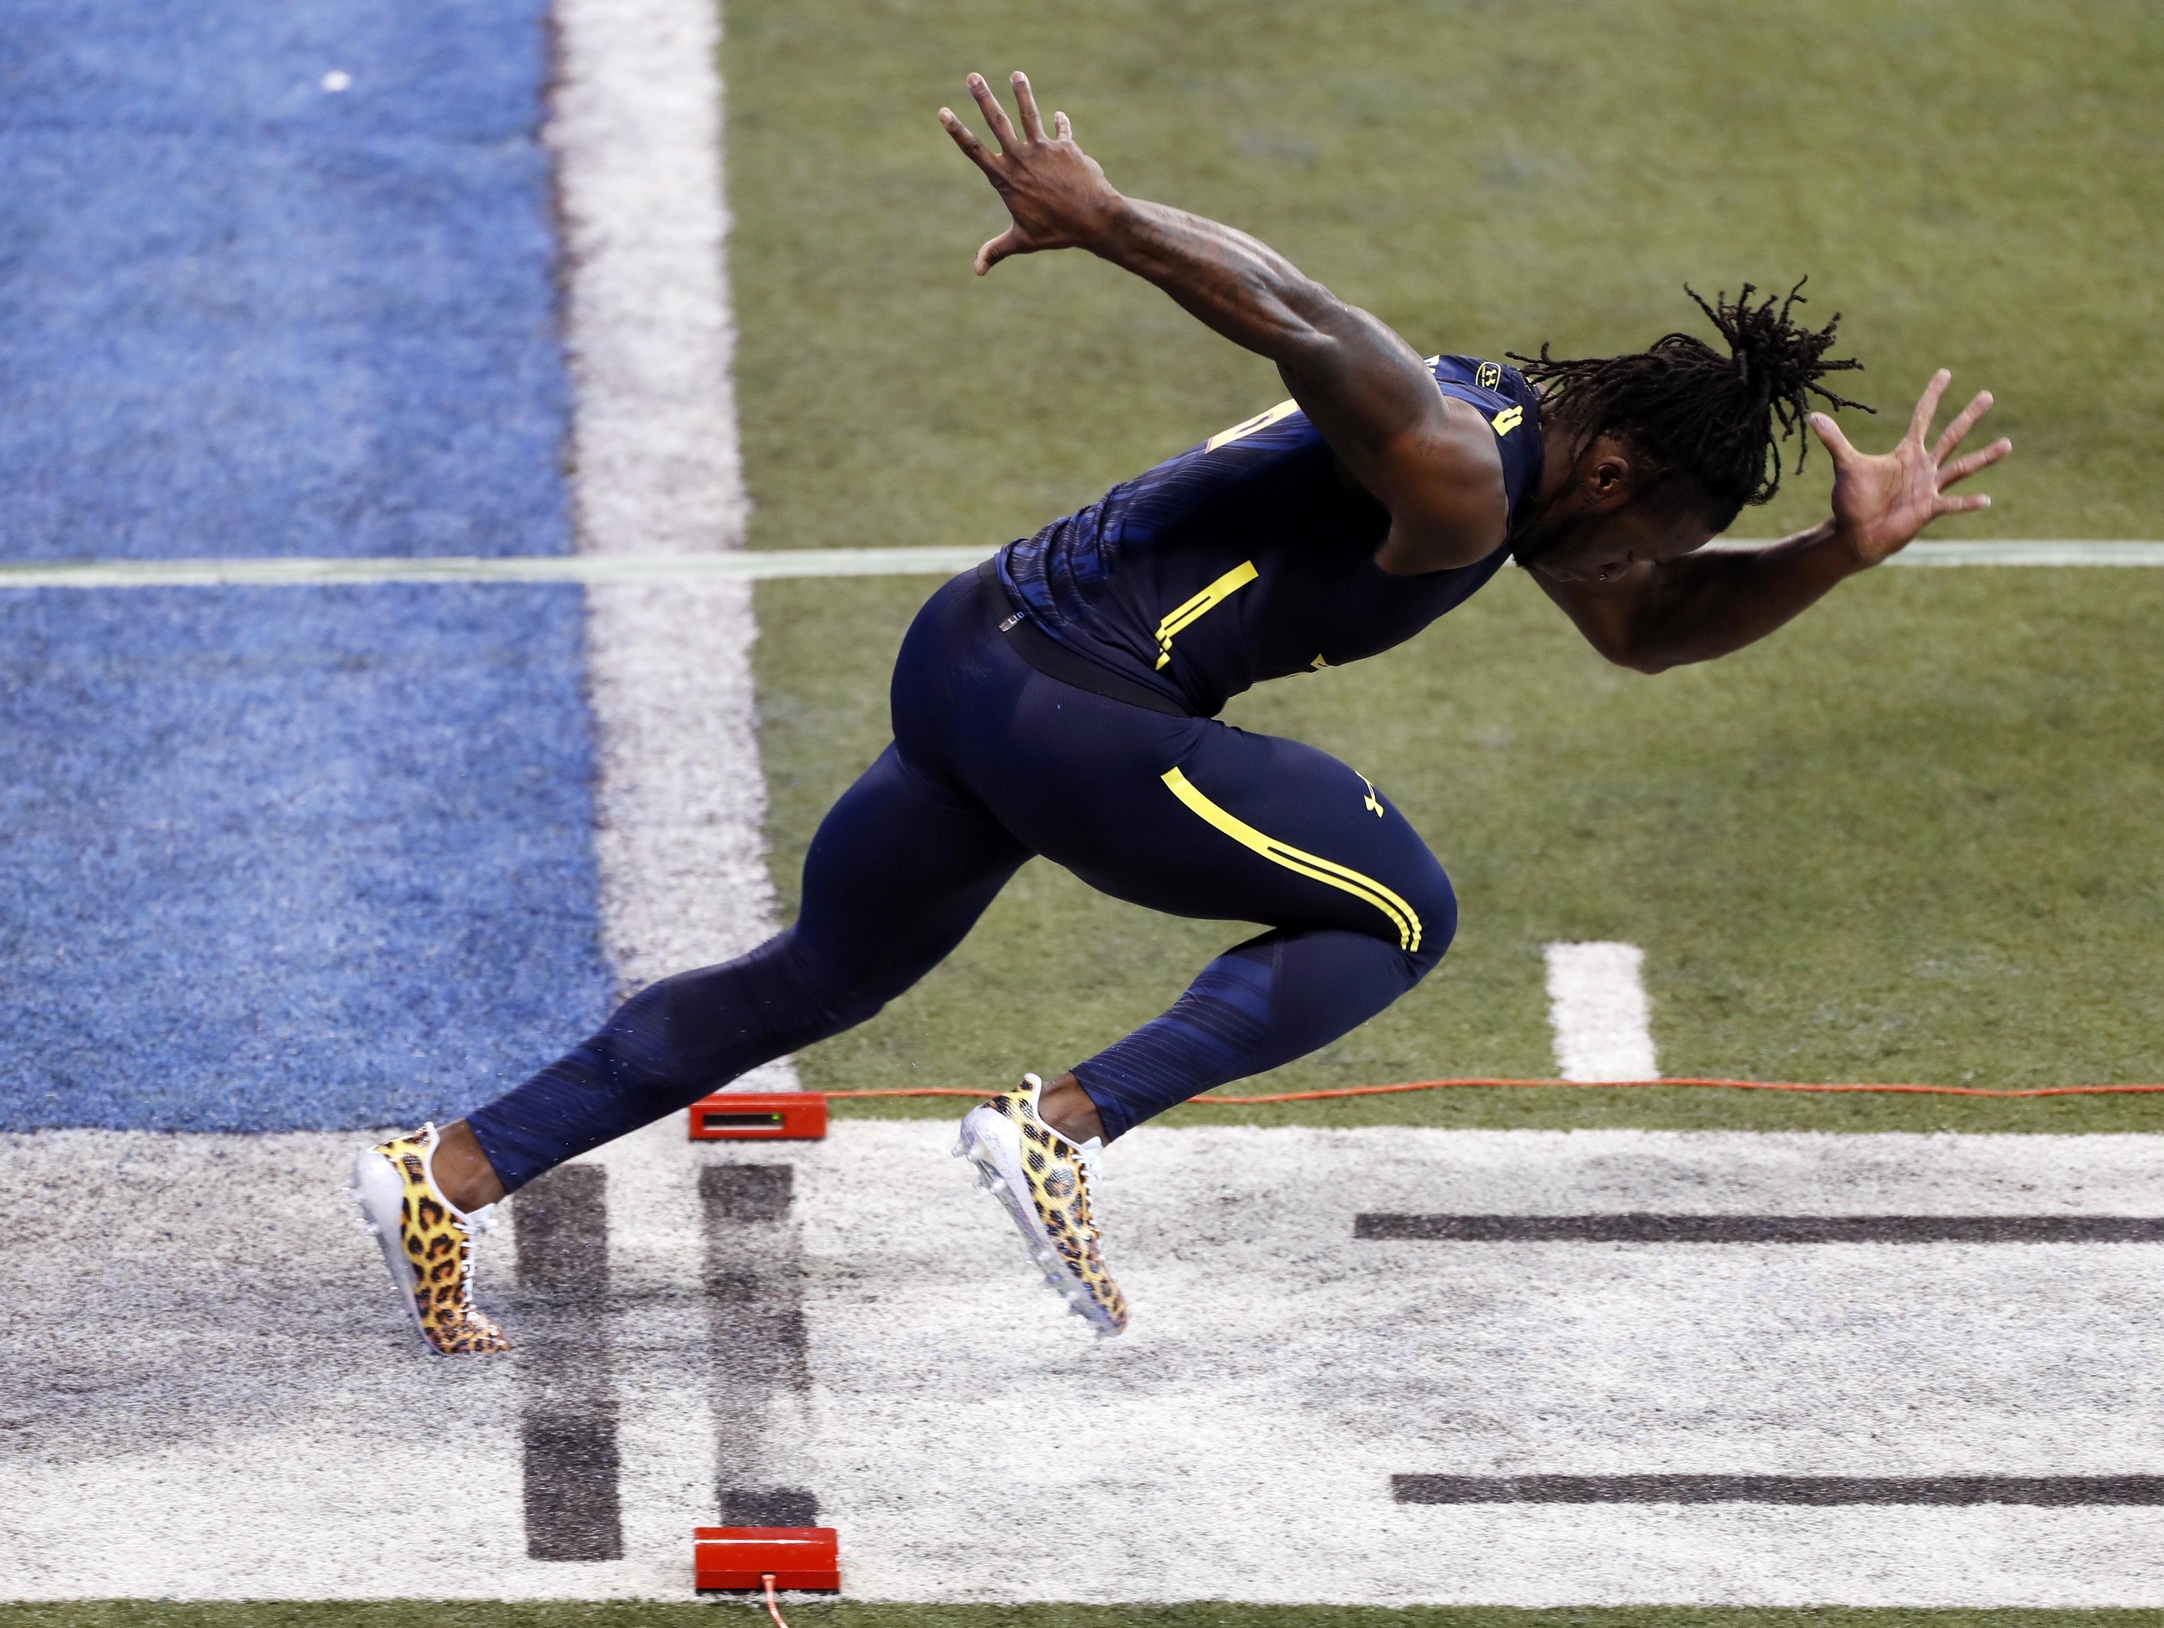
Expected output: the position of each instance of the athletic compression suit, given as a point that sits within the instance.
(1061, 701)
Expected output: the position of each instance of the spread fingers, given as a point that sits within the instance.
(966, 139)
(1963, 468)
(1025, 103)
(994, 114)
(1964, 421)
(1927, 405)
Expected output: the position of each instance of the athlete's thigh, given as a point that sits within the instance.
(1195, 818)
(898, 872)
(1313, 834)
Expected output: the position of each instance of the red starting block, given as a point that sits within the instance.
(760, 1116)
(731, 1558)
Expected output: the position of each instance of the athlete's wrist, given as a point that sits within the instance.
(1843, 543)
(1121, 232)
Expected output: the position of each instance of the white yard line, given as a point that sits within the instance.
(641, 563)
(1991, 551)
(636, 131)
(241, 1423)
(659, 488)
(1598, 1010)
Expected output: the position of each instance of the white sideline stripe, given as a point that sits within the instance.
(246, 1422)
(635, 126)
(2038, 553)
(636, 130)
(1598, 1010)
(745, 566)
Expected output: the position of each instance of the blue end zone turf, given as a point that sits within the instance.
(241, 314)
(282, 858)
(279, 859)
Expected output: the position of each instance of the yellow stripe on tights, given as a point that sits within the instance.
(1402, 915)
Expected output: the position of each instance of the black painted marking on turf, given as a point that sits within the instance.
(768, 1506)
(755, 1296)
(574, 1507)
(1765, 1229)
(2048, 1490)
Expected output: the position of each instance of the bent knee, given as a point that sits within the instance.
(1431, 906)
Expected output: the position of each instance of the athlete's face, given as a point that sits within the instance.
(1600, 545)
(1603, 519)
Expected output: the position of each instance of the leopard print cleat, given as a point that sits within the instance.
(1044, 1181)
(427, 1243)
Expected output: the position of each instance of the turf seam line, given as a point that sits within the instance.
(1643, 1228)
(744, 565)
(2143, 1491)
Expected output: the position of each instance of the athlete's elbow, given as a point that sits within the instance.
(1629, 643)
(1314, 349)
(1622, 647)
(1639, 660)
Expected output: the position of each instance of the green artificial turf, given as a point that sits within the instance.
(1199, 1614)
(1911, 838)
(1971, 184)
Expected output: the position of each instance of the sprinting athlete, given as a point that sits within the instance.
(1062, 699)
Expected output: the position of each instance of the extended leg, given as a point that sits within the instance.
(899, 871)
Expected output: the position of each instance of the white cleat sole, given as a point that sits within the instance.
(991, 1142)
(381, 1195)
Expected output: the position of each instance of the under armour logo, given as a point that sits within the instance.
(1370, 801)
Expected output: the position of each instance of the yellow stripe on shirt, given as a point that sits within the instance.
(1211, 597)
(1248, 426)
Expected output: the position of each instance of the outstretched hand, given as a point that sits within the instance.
(1880, 503)
(1056, 193)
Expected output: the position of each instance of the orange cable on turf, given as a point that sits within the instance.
(1581, 1085)
(773, 1606)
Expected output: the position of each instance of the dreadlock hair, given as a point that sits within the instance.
(1696, 413)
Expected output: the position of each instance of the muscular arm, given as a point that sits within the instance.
(1655, 614)
(1429, 459)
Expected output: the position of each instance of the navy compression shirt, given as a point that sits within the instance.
(1248, 557)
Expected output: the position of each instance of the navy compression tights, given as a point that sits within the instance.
(993, 762)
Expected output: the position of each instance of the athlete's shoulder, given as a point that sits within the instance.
(1507, 400)
(1497, 388)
